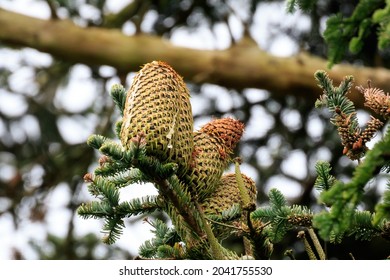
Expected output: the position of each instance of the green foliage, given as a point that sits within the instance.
(382, 18)
(362, 226)
(231, 214)
(383, 209)
(118, 95)
(344, 197)
(163, 244)
(282, 217)
(335, 97)
(349, 33)
(304, 5)
(324, 180)
(344, 34)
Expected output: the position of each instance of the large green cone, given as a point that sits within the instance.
(158, 106)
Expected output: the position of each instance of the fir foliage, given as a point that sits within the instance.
(324, 180)
(362, 227)
(383, 209)
(304, 5)
(282, 217)
(352, 137)
(118, 95)
(347, 33)
(382, 18)
(164, 245)
(344, 197)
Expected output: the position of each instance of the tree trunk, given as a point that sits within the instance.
(241, 66)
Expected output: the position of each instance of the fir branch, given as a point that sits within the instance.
(277, 199)
(148, 249)
(106, 191)
(118, 128)
(113, 228)
(176, 193)
(118, 95)
(96, 141)
(344, 197)
(324, 180)
(231, 214)
(95, 210)
(281, 216)
(111, 169)
(344, 116)
(362, 226)
(116, 152)
(300, 216)
(137, 206)
(164, 245)
(335, 97)
(342, 34)
(382, 18)
(304, 5)
(336, 36)
(127, 177)
(171, 253)
(382, 209)
(277, 213)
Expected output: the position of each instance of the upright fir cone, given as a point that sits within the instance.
(227, 194)
(376, 99)
(372, 127)
(214, 144)
(158, 105)
(224, 197)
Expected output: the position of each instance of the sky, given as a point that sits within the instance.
(80, 81)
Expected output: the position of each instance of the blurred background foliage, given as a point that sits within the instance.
(49, 107)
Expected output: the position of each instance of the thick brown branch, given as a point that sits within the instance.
(241, 66)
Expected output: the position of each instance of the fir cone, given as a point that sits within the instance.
(227, 194)
(371, 129)
(376, 99)
(158, 105)
(227, 130)
(213, 145)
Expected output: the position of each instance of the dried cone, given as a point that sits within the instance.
(158, 105)
(213, 145)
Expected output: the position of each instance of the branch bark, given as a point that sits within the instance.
(241, 66)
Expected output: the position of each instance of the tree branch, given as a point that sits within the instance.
(241, 66)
